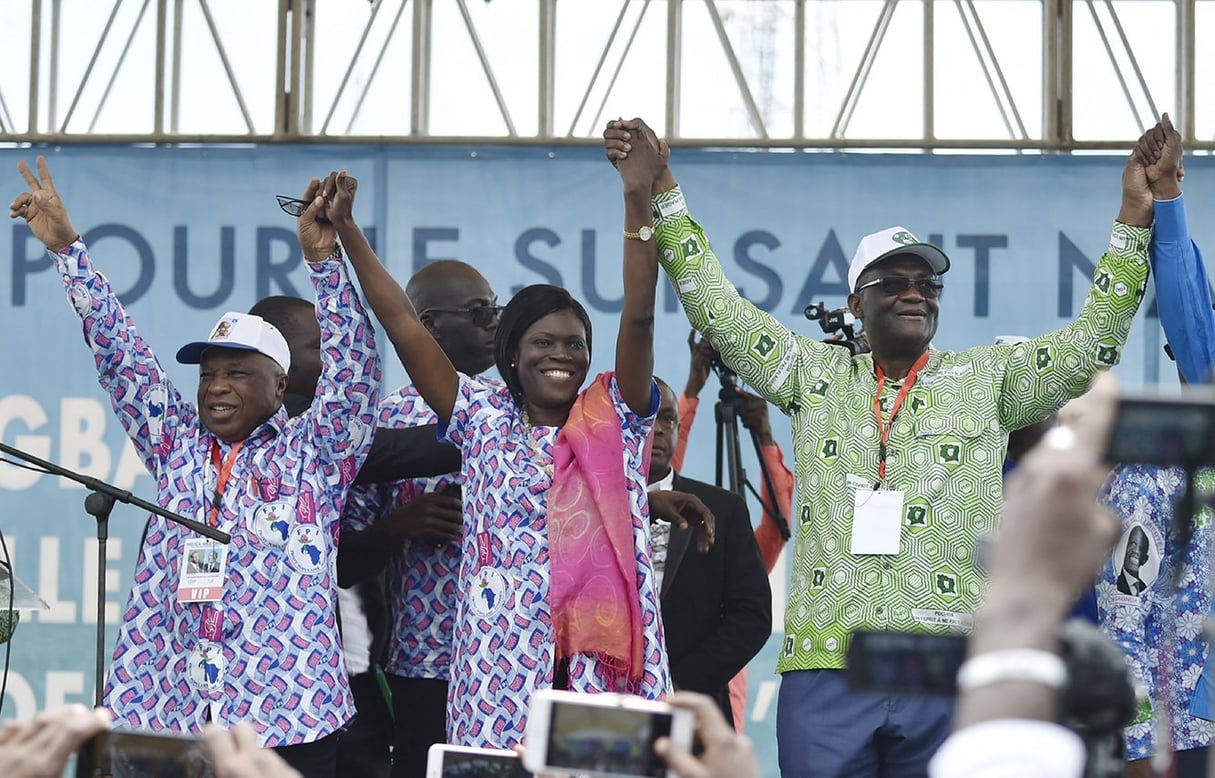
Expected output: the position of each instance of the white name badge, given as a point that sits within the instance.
(204, 567)
(877, 521)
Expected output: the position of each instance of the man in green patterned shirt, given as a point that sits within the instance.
(891, 494)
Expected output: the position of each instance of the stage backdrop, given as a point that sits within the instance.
(188, 233)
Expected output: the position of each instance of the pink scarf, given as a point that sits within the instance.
(595, 600)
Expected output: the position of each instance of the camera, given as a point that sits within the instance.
(606, 735)
(1164, 430)
(119, 754)
(838, 320)
(446, 761)
(1097, 700)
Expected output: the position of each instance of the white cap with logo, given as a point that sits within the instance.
(891, 241)
(245, 331)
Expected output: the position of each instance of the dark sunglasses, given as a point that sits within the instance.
(893, 285)
(291, 205)
(482, 315)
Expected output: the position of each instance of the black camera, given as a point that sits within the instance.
(1096, 702)
(835, 321)
(1159, 430)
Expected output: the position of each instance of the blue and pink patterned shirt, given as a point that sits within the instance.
(503, 645)
(1159, 626)
(422, 577)
(273, 658)
(1157, 623)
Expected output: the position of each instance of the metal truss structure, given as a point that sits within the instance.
(1012, 75)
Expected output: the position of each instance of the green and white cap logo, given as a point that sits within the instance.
(877, 246)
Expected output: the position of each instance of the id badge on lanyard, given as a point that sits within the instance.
(877, 513)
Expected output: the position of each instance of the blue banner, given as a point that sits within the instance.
(188, 233)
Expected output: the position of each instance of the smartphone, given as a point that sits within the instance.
(606, 735)
(444, 761)
(905, 662)
(119, 754)
(1164, 430)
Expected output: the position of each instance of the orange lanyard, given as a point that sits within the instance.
(225, 470)
(883, 427)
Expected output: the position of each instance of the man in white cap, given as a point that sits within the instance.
(898, 458)
(252, 635)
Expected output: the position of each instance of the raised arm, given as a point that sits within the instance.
(145, 400)
(1044, 373)
(635, 341)
(427, 365)
(766, 354)
(1183, 290)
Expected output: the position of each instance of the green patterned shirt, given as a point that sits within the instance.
(946, 447)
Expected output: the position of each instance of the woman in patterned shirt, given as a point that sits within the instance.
(556, 582)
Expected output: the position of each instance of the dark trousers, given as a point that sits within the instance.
(364, 746)
(862, 735)
(317, 759)
(1191, 763)
(420, 716)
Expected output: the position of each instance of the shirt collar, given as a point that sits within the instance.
(664, 484)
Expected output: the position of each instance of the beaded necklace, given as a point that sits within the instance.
(542, 461)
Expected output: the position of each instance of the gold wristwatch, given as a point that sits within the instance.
(643, 233)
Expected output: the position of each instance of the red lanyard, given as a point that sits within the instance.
(225, 470)
(883, 427)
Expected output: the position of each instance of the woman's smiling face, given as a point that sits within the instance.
(552, 363)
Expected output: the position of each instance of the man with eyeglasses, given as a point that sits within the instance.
(414, 525)
(898, 458)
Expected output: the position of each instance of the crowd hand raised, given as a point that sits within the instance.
(42, 208)
(685, 510)
(1160, 151)
(235, 754)
(703, 354)
(727, 753)
(1054, 536)
(317, 235)
(40, 748)
(435, 517)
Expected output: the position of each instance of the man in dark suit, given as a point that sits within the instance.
(716, 605)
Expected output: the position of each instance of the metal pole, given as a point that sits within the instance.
(545, 100)
(419, 122)
(674, 51)
(929, 73)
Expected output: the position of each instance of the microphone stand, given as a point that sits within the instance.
(99, 504)
(119, 495)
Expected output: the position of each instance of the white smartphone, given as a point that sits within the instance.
(444, 761)
(605, 735)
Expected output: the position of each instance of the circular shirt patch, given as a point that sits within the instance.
(272, 522)
(206, 667)
(488, 593)
(307, 548)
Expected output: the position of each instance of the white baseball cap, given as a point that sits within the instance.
(891, 241)
(245, 331)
